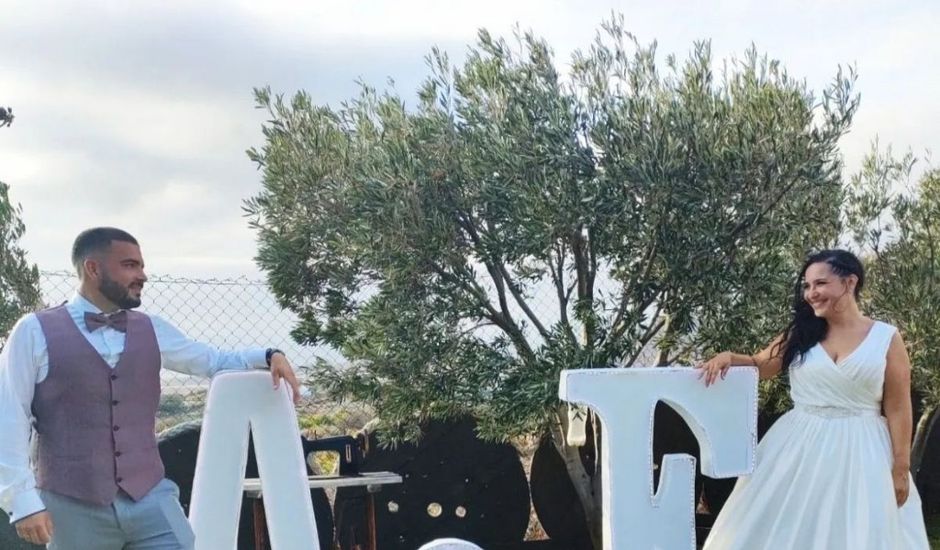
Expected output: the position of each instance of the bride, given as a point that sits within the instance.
(833, 472)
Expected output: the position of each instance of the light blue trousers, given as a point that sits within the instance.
(155, 522)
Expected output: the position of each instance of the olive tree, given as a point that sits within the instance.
(897, 226)
(516, 221)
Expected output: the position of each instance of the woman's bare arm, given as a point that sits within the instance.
(768, 362)
(898, 411)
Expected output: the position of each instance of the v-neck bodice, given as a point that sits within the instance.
(854, 382)
(849, 355)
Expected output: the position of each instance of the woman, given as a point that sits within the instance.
(832, 473)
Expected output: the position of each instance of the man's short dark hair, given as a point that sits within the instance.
(97, 239)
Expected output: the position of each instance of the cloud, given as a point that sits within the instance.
(138, 113)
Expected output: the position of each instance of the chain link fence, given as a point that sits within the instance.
(241, 312)
(229, 314)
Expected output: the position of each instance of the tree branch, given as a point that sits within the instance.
(592, 264)
(570, 290)
(580, 263)
(627, 290)
(502, 279)
(617, 332)
(651, 331)
(744, 224)
(584, 306)
(558, 278)
(932, 245)
(468, 226)
(498, 318)
(520, 300)
(680, 353)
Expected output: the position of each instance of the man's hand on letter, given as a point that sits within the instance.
(282, 370)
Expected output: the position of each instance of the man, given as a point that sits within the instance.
(86, 375)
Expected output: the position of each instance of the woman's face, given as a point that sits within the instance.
(827, 292)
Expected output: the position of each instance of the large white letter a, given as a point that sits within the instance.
(239, 403)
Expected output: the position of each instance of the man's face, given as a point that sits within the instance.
(121, 275)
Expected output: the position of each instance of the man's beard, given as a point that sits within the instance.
(118, 294)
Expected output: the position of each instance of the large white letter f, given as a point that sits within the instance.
(723, 418)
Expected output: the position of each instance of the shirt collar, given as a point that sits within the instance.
(81, 304)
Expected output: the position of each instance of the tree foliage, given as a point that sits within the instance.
(19, 281)
(897, 225)
(516, 222)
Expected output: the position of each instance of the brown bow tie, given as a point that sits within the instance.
(117, 321)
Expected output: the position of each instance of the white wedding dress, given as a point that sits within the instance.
(822, 479)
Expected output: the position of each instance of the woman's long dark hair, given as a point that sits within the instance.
(806, 329)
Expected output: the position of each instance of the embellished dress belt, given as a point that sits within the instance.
(836, 412)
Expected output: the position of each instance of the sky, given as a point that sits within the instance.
(138, 114)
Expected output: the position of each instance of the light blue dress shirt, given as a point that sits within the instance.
(24, 362)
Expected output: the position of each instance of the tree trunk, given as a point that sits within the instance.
(924, 427)
(585, 486)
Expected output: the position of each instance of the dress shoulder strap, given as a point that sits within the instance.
(881, 336)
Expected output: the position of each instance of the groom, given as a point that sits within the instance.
(86, 375)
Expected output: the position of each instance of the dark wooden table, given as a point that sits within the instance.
(372, 481)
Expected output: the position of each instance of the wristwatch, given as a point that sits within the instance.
(269, 353)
